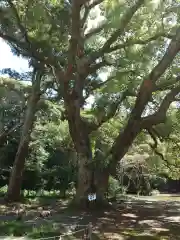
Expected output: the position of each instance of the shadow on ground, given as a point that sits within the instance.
(138, 220)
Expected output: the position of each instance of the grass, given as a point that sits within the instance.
(138, 220)
(19, 229)
(137, 234)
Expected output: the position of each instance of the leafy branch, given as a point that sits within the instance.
(19, 23)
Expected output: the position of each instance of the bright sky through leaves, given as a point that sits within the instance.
(8, 60)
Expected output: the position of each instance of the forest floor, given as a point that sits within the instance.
(141, 219)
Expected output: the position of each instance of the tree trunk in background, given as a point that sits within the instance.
(101, 179)
(16, 177)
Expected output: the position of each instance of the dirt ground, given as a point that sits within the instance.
(135, 219)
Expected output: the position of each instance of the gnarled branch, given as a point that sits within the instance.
(160, 116)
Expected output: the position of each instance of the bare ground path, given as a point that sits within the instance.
(137, 219)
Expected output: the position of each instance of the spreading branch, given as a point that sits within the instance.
(123, 24)
(160, 116)
(136, 123)
(139, 41)
(130, 43)
(168, 85)
(28, 46)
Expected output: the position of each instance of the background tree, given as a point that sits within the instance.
(14, 187)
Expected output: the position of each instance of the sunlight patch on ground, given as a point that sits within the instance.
(158, 229)
(150, 223)
(113, 236)
(130, 215)
(173, 219)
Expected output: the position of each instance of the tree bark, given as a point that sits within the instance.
(14, 187)
(82, 145)
(91, 181)
(123, 142)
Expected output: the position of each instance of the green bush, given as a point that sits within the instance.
(114, 187)
(3, 190)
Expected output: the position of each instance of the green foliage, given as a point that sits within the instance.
(17, 229)
(51, 162)
(114, 187)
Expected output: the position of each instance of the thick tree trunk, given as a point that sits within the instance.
(91, 181)
(14, 188)
(80, 136)
(84, 181)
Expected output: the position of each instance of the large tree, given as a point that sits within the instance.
(138, 40)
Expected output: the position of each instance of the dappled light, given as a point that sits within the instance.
(125, 223)
(90, 127)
